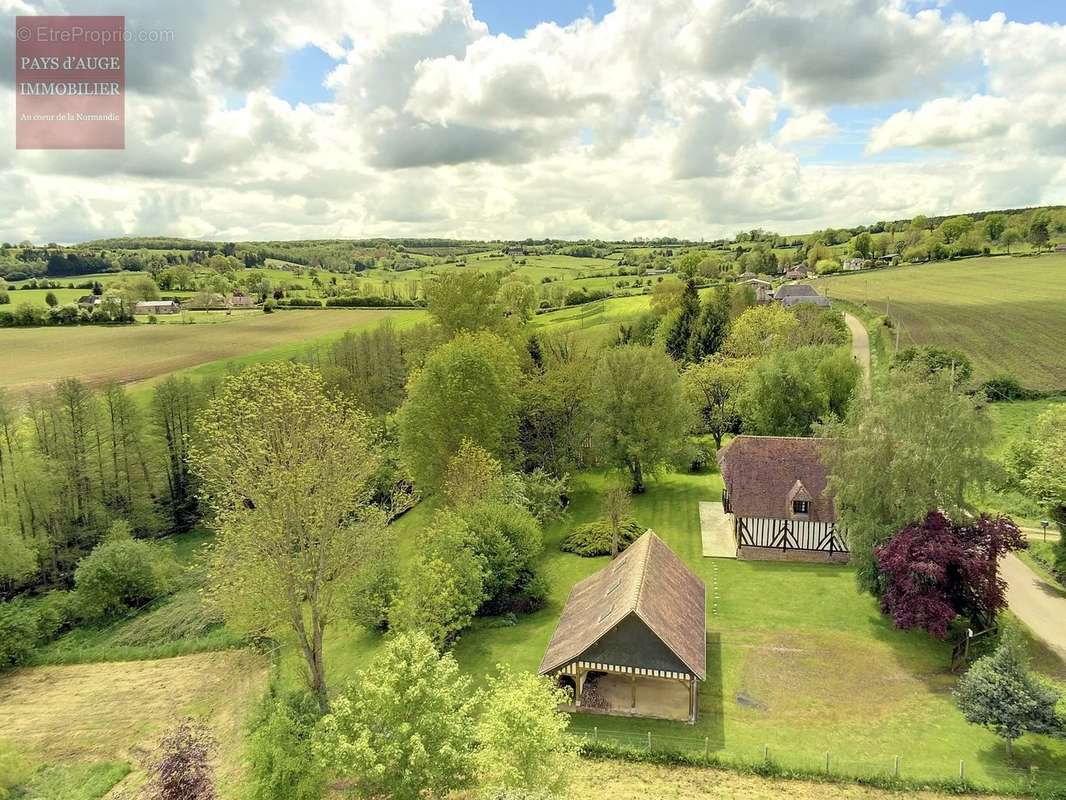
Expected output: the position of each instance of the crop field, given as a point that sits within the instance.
(34, 357)
(1007, 314)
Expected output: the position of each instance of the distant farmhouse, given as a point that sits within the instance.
(853, 264)
(1060, 248)
(775, 488)
(763, 290)
(794, 294)
(632, 638)
(92, 301)
(156, 307)
(240, 300)
(796, 273)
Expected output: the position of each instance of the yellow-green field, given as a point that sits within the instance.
(1007, 314)
(31, 358)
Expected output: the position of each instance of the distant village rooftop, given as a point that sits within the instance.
(793, 294)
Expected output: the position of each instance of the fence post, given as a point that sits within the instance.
(596, 733)
(766, 752)
(896, 769)
(826, 762)
(649, 740)
(962, 770)
(706, 746)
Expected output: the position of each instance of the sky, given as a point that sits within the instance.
(609, 119)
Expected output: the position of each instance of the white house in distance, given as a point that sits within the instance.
(156, 307)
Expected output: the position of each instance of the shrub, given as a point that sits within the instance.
(120, 575)
(373, 592)
(18, 633)
(282, 766)
(369, 302)
(1005, 387)
(181, 768)
(931, 360)
(594, 538)
(300, 302)
(270, 305)
(57, 612)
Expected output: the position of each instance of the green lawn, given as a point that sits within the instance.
(1007, 314)
(799, 661)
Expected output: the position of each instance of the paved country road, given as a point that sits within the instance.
(1035, 602)
(860, 347)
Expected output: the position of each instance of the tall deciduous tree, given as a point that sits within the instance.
(640, 411)
(404, 728)
(915, 446)
(760, 330)
(713, 388)
(467, 390)
(464, 301)
(289, 473)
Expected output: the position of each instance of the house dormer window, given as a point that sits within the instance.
(801, 507)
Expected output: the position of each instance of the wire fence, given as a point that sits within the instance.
(975, 773)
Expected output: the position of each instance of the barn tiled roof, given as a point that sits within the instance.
(648, 580)
(760, 473)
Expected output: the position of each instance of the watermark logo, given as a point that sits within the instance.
(70, 83)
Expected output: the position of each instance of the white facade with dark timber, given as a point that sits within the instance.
(775, 489)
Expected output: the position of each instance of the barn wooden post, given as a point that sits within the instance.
(633, 687)
(693, 702)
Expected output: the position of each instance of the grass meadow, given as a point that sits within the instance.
(798, 660)
(1007, 314)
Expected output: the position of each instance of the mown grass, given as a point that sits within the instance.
(799, 661)
(1007, 314)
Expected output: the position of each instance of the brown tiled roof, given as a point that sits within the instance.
(761, 471)
(648, 580)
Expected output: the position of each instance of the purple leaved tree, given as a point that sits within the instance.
(936, 570)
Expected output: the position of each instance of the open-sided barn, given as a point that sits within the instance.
(632, 638)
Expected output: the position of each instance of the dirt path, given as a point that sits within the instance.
(860, 347)
(1036, 603)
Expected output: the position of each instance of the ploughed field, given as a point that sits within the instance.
(1007, 314)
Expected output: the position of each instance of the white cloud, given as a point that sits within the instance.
(807, 126)
(657, 119)
(943, 123)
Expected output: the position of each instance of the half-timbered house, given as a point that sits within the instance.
(775, 489)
